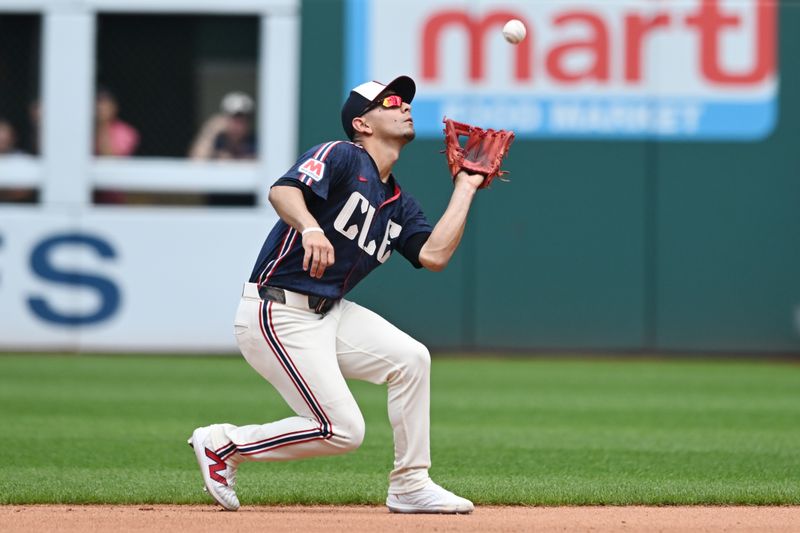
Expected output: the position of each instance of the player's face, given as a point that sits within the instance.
(391, 118)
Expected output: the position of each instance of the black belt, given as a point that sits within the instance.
(317, 304)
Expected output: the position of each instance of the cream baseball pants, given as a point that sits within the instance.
(306, 357)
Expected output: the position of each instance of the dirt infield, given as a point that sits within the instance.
(200, 519)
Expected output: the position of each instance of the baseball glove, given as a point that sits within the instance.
(482, 153)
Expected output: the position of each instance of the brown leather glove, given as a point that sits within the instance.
(482, 153)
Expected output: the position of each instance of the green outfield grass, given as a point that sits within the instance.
(91, 429)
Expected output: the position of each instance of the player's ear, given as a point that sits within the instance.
(360, 125)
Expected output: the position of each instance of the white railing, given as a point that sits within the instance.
(154, 174)
(67, 171)
(20, 171)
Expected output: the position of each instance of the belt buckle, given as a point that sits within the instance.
(320, 304)
(273, 294)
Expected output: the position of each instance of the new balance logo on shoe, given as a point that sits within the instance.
(218, 465)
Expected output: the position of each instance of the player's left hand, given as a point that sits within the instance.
(319, 253)
(473, 180)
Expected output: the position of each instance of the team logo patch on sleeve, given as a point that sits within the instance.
(313, 168)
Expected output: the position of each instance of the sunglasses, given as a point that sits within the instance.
(390, 102)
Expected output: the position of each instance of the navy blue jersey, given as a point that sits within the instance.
(363, 218)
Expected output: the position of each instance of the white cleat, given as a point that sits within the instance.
(219, 477)
(430, 499)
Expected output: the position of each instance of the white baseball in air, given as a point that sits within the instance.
(514, 31)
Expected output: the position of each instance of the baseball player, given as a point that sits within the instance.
(342, 214)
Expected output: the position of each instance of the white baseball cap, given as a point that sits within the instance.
(364, 95)
(237, 102)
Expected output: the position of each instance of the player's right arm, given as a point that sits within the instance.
(290, 205)
(446, 235)
(309, 180)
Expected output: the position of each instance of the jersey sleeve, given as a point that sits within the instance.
(414, 222)
(308, 195)
(321, 167)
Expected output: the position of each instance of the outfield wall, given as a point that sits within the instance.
(125, 280)
(678, 233)
(652, 241)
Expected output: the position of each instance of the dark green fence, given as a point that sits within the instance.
(653, 246)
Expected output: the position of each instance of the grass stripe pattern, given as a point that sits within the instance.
(559, 431)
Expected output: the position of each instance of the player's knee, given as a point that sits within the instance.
(353, 436)
(349, 433)
(419, 358)
(357, 431)
(413, 361)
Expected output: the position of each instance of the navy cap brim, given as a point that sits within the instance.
(403, 86)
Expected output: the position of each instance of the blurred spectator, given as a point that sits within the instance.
(8, 138)
(113, 137)
(229, 134)
(8, 148)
